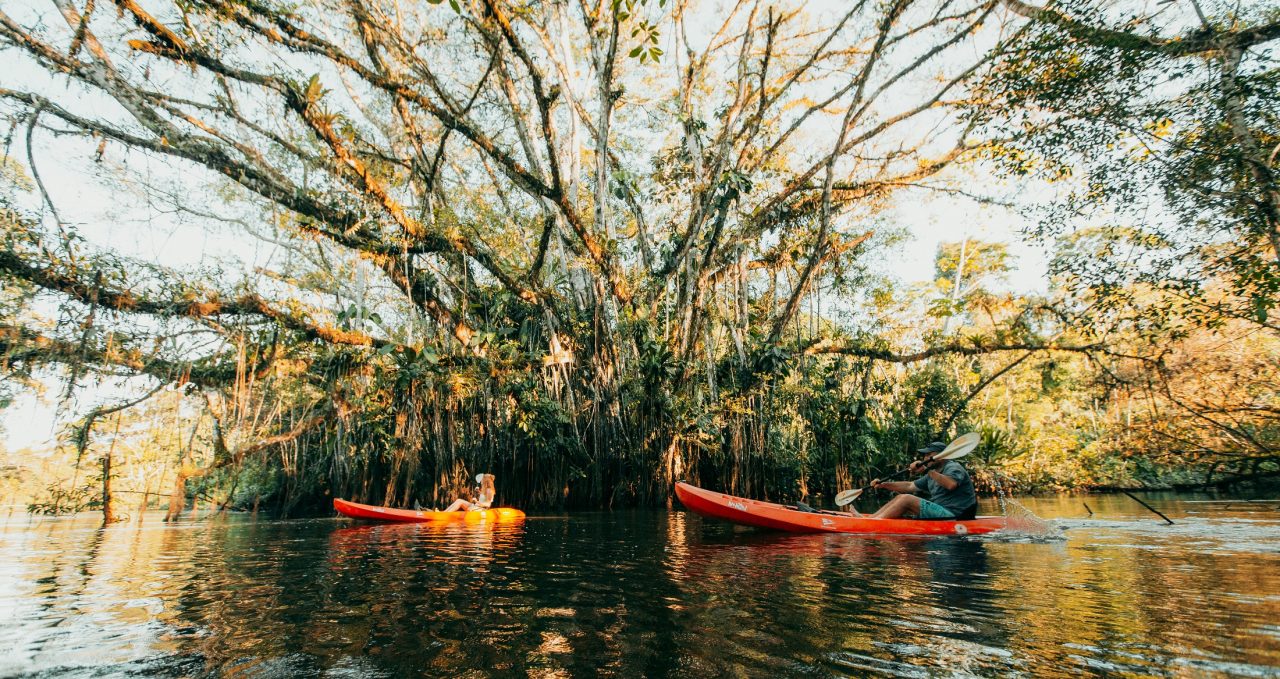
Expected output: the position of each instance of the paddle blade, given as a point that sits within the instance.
(847, 496)
(960, 447)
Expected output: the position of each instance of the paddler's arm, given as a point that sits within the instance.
(895, 486)
(938, 477)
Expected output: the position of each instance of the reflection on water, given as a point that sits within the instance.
(644, 594)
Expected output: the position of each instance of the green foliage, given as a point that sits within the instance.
(1169, 186)
(643, 30)
(982, 261)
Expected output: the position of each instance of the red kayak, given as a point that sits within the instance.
(747, 512)
(356, 510)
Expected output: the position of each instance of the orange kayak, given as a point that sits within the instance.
(780, 517)
(356, 510)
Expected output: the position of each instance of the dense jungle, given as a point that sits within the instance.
(597, 246)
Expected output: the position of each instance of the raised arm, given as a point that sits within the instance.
(945, 480)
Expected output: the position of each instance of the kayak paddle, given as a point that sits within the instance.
(958, 448)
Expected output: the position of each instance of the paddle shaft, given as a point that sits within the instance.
(895, 476)
(904, 470)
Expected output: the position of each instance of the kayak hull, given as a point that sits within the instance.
(356, 510)
(760, 514)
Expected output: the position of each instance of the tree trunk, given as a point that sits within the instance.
(955, 286)
(177, 498)
(146, 499)
(108, 513)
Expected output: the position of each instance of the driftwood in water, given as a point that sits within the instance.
(1153, 509)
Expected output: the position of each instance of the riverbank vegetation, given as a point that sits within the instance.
(594, 248)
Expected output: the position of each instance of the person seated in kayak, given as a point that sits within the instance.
(951, 494)
(483, 501)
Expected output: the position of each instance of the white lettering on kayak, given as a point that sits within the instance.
(827, 522)
(738, 506)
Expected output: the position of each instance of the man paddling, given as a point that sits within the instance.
(947, 482)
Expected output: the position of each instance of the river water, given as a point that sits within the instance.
(645, 594)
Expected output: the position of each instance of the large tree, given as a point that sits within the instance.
(536, 188)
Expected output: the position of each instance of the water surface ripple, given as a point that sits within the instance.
(643, 594)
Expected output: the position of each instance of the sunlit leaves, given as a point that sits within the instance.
(643, 31)
(1164, 145)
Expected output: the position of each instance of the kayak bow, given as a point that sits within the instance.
(356, 510)
(780, 517)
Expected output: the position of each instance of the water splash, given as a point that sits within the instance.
(1020, 521)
